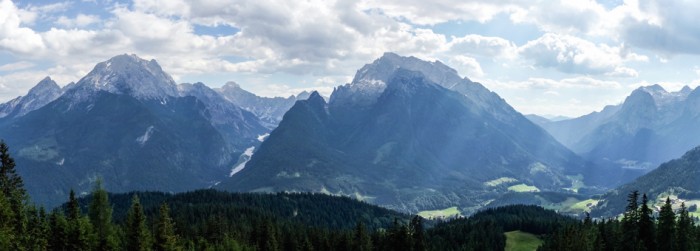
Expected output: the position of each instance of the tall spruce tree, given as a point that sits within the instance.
(58, 236)
(361, 239)
(165, 237)
(646, 225)
(684, 229)
(666, 236)
(418, 234)
(73, 206)
(100, 213)
(12, 187)
(138, 238)
(7, 236)
(630, 223)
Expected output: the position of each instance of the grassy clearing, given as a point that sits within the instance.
(499, 181)
(521, 241)
(583, 206)
(444, 213)
(522, 188)
(576, 183)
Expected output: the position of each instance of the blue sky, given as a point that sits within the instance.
(545, 57)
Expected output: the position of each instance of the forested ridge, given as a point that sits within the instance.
(215, 220)
(640, 228)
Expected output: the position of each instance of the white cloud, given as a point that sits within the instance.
(667, 27)
(435, 12)
(16, 66)
(562, 16)
(80, 20)
(549, 84)
(467, 65)
(571, 54)
(284, 90)
(477, 45)
(14, 37)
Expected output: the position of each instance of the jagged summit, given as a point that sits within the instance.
(370, 81)
(383, 67)
(41, 94)
(45, 86)
(231, 85)
(129, 74)
(686, 89)
(663, 97)
(315, 97)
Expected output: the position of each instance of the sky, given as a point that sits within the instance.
(544, 57)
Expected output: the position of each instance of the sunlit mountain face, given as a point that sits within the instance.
(127, 123)
(650, 127)
(410, 135)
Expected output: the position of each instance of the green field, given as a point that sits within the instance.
(583, 206)
(444, 213)
(521, 241)
(522, 188)
(499, 181)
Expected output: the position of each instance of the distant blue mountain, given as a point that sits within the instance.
(410, 135)
(650, 127)
(127, 123)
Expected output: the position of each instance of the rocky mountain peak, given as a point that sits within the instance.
(129, 74)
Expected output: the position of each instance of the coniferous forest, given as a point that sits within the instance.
(215, 220)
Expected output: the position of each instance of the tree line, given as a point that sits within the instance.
(639, 229)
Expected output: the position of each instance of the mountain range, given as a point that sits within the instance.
(409, 135)
(269, 110)
(650, 127)
(678, 179)
(406, 134)
(128, 123)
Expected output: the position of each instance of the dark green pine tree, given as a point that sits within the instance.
(58, 236)
(398, 237)
(418, 234)
(630, 223)
(666, 235)
(361, 239)
(267, 236)
(138, 238)
(684, 229)
(646, 225)
(165, 237)
(37, 229)
(73, 206)
(100, 213)
(79, 234)
(7, 236)
(12, 187)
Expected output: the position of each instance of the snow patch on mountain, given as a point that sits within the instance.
(129, 74)
(144, 138)
(245, 157)
(43, 93)
(262, 137)
(663, 97)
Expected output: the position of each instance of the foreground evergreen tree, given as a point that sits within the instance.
(684, 229)
(58, 236)
(73, 206)
(78, 232)
(418, 234)
(165, 237)
(100, 213)
(138, 238)
(6, 234)
(12, 188)
(646, 225)
(630, 223)
(361, 239)
(667, 227)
